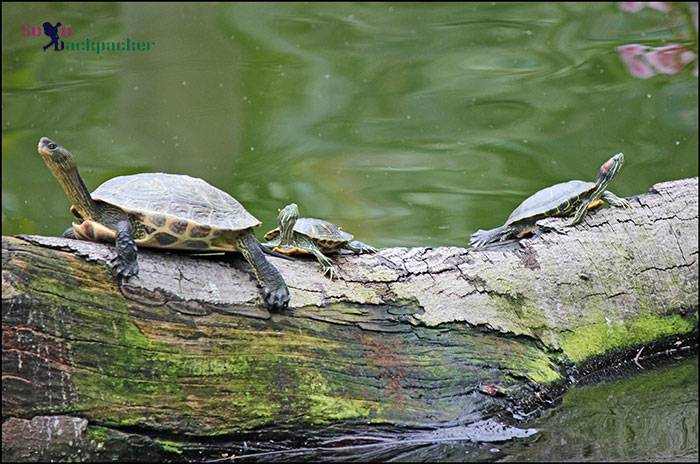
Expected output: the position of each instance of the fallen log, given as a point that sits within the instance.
(184, 361)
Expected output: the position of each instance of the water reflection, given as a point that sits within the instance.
(643, 61)
(652, 416)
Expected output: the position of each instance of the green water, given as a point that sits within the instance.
(407, 124)
(652, 416)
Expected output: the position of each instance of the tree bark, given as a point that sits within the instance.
(183, 359)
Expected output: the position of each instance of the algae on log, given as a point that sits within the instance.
(185, 358)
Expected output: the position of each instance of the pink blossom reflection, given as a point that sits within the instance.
(669, 59)
(633, 7)
(645, 62)
(633, 57)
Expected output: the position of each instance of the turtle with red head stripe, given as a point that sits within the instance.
(157, 210)
(563, 199)
(312, 236)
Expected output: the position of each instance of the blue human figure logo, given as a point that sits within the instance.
(52, 32)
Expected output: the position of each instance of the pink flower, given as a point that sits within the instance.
(669, 59)
(633, 57)
(633, 7)
(644, 62)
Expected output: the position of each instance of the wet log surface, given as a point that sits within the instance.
(421, 344)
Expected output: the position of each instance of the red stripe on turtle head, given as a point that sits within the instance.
(608, 164)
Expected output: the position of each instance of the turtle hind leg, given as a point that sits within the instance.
(125, 264)
(483, 237)
(274, 289)
(358, 247)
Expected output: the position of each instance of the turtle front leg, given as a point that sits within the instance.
(70, 233)
(580, 212)
(125, 264)
(613, 200)
(359, 247)
(585, 205)
(275, 292)
(325, 262)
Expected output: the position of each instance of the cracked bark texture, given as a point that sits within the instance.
(184, 359)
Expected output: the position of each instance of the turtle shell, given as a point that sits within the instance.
(177, 199)
(550, 200)
(322, 232)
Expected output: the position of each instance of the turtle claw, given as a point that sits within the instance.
(124, 269)
(369, 249)
(276, 299)
(332, 271)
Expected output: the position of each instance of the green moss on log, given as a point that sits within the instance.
(599, 338)
(221, 373)
(171, 446)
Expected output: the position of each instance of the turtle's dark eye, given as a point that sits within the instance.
(52, 146)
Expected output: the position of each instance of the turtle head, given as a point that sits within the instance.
(286, 218)
(62, 164)
(55, 156)
(611, 167)
(608, 170)
(289, 213)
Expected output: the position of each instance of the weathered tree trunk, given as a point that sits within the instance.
(183, 359)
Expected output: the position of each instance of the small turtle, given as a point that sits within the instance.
(312, 236)
(157, 210)
(557, 200)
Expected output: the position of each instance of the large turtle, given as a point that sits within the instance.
(557, 200)
(169, 211)
(312, 236)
